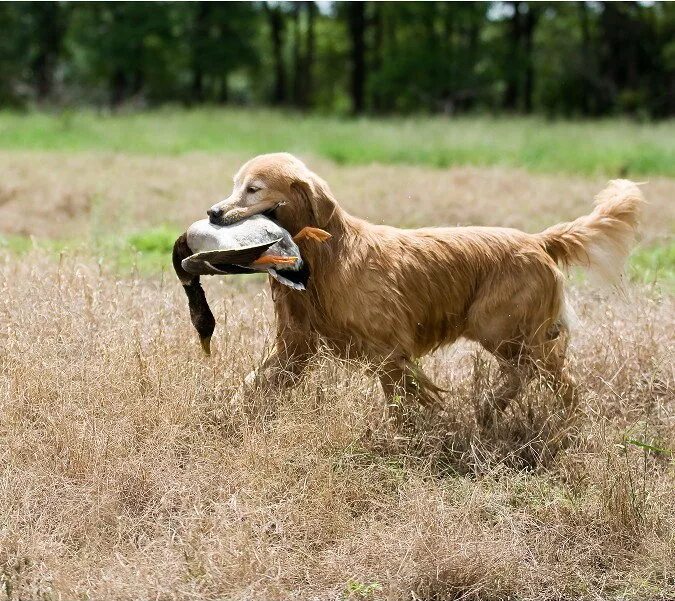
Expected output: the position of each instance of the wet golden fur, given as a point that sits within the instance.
(391, 295)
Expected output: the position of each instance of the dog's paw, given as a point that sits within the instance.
(250, 378)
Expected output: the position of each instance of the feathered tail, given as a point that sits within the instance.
(602, 240)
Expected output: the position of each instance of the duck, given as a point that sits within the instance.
(254, 245)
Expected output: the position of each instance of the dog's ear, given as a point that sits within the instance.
(318, 197)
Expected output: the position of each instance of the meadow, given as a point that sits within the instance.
(611, 146)
(126, 472)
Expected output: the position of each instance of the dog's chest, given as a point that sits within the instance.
(358, 311)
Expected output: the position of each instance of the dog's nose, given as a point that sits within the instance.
(214, 214)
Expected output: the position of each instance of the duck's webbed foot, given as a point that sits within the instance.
(313, 233)
(274, 260)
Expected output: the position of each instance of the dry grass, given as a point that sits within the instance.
(75, 195)
(128, 474)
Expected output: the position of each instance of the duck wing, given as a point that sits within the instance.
(197, 266)
(218, 262)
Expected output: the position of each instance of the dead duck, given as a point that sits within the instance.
(256, 244)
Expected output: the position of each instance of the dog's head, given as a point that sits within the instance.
(280, 186)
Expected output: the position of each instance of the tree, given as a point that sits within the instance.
(356, 21)
(310, 53)
(583, 58)
(49, 28)
(530, 19)
(513, 58)
(275, 20)
(199, 50)
(222, 41)
(12, 54)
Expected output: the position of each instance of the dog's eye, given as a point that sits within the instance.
(252, 189)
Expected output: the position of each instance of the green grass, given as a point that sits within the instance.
(654, 263)
(146, 252)
(610, 147)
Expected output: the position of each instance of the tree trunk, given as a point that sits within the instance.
(513, 66)
(451, 53)
(49, 29)
(298, 68)
(473, 37)
(224, 89)
(377, 52)
(529, 24)
(356, 21)
(118, 87)
(199, 33)
(276, 23)
(310, 55)
(586, 54)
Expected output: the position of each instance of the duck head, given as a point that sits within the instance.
(200, 312)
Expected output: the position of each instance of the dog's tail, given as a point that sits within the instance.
(602, 240)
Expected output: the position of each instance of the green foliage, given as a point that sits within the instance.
(156, 240)
(20, 245)
(146, 252)
(16, 244)
(647, 447)
(610, 147)
(593, 58)
(149, 251)
(361, 590)
(654, 263)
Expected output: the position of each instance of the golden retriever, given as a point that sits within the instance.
(392, 295)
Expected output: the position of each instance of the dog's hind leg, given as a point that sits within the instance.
(550, 358)
(525, 328)
(543, 355)
(513, 380)
(514, 374)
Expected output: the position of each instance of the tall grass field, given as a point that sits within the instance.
(130, 470)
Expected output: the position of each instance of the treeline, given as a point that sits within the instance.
(576, 58)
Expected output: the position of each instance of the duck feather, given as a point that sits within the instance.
(223, 259)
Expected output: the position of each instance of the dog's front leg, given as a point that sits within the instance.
(284, 368)
(296, 343)
(403, 382)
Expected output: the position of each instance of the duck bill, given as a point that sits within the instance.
(200, 312)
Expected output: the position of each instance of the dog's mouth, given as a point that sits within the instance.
(221, 221)
(236, 215)
(271, 213)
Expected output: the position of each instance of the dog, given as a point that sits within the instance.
(390, 295)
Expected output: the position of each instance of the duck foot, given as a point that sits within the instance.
(313, 233)
(275, 260)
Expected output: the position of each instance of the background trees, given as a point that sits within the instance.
(569, 59)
